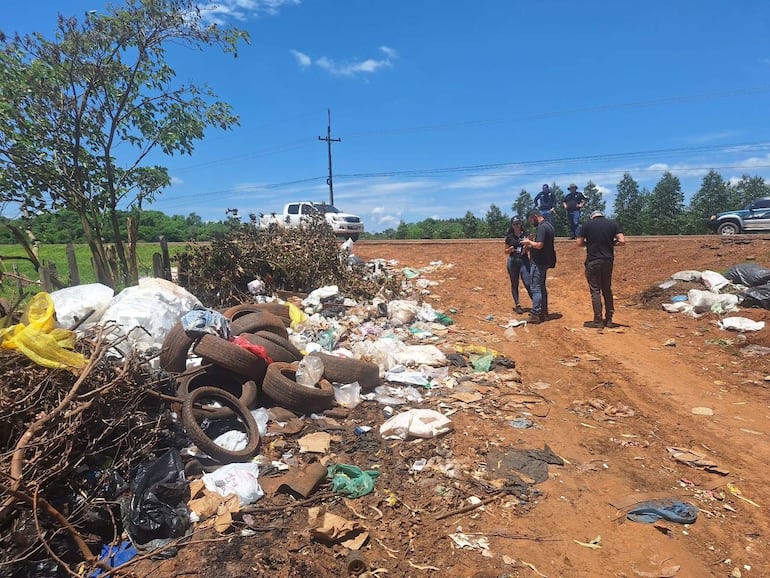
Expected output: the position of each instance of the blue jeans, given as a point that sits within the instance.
(518, 268)
(539, 291)
(573, 219)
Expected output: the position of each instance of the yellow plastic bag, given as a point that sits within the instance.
(296, 315)
(40, 339)
(478, 349)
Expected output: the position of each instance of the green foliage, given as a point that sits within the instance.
(15, 269)
(629, 206)
(665, 207)
(497, 221)
(714, 196)
(523, 204)
(750, 188)
(100, 84)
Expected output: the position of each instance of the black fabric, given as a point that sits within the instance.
(599, 234)
(545, 257)
(599, 277)
(749, 274)
(572, 200)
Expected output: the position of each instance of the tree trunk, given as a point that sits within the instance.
(133, 269)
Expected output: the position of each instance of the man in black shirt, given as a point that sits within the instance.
(542, 255)
(600, 236)
(573, 202)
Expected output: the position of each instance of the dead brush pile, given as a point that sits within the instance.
(289, 259)
(67, 443)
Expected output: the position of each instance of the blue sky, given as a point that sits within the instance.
(446, 106)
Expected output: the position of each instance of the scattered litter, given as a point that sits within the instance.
(596, 543)
(702, 411)
(670, 510)
(695, 459)
(741, 324)
(416, 423)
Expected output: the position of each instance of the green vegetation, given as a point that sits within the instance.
(82, 112)
(57, 254)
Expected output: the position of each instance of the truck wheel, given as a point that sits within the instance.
(729, 228)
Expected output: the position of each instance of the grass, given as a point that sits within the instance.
(57, 254)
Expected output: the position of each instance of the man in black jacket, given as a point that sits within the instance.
(600, 236)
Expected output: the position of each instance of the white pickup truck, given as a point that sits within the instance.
(343, 224)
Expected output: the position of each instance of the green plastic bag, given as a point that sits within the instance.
(483, 362)
(352, 480)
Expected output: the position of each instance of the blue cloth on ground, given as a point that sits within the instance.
(670, 510)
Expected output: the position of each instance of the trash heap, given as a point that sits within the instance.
(745, 285)
(248, 419)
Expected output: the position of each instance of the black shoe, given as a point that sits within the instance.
(609, 324)
(594, 324)
(519, 310)
(534, 320)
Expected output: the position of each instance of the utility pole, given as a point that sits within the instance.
(329, 140)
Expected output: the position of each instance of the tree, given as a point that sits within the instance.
(497, 221)
(471, 226)
(749, 188)
(665, 206)
(714, 196)
(594, 200)
(629, 206)
(101, 86)
(523, 204)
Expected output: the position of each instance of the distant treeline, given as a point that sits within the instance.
(661, 211)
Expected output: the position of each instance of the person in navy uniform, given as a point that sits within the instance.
(545, 202)
(573, 202)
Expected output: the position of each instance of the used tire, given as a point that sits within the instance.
(282, 342)
(274, 351)
(230, 356)
(277, 309)
(203, 441)
(259, 321)
(212, 376)
(173, 353)
(281, 386)
(347, 370)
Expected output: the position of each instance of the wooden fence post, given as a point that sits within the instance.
(166, 260)
(72, 263)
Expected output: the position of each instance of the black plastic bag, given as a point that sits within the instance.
(158, 510)
(748, 274)
(757, 296)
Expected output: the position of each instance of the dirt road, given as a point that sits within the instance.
(614, 401)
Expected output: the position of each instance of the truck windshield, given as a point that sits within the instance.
(324, 208)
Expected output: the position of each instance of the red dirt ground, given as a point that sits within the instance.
(658, 365)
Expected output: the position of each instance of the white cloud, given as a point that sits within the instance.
(302, 59)
(222, 10)
(176, 181)
(351, 68)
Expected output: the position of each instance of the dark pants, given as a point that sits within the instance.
(548, 216)
(518, 268)
(573, 219)
(539, 290)
(599, 276)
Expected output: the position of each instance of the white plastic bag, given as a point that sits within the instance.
(714, 281)
(239, 479)
(348, 395)
(705, 300)
(687, 276)
(417, 423)
(741, 324)
(310, 370)
(72, 304)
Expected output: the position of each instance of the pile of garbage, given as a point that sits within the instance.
(164, 416)
(745, 285)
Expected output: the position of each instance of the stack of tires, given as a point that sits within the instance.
(232, 380)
